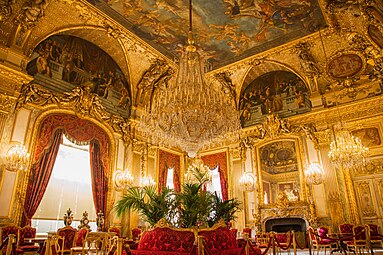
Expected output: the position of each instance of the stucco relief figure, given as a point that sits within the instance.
(307, 61)
(32, 12)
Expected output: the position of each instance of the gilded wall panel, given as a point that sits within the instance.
(367, 207)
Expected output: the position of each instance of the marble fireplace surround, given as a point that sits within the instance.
(295, 216)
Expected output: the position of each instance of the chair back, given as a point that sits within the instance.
(373, 229)
(115, 230)
(82, 234)
(247, 231)
(26, 232)
(96, 243)
(70, 234)
(7, 230)
(323, 232)
(359, 234)
(346, 228)
(312, 235)
(136, 233)
(234, 231)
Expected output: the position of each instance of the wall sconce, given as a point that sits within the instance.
(123, 180)
(314, 174)
(247, 181)
(17, 158)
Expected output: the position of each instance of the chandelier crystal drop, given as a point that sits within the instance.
(17, 158)
(123, 180)
(248, 181)
(347, 151)
(189, 113)
(314, 174)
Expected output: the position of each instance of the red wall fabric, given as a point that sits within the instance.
(220, 160)
(169, 160)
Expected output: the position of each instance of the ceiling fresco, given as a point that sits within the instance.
(226, 30)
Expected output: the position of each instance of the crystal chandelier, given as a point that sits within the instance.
(17, 158)
(347, 151)
(314, 174)
(123, 180)
(247, 181)
(188, 113)
(197, 172)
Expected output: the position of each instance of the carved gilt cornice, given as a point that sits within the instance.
(80, 100)
(373, 166)
(12, 79)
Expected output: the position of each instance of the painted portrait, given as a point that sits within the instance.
(76, 62)
(279, 92)
(345, 66)
(369, 137)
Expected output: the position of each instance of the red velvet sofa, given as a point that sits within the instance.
(164, 239)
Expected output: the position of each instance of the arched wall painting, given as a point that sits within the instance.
(72, 61)
(279, 92)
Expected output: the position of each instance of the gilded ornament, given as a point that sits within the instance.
(5, 9)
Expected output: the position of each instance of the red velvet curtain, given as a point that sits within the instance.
(168, 160)
(81, 130)
(99, 178)
(39, 176)
(220, 160)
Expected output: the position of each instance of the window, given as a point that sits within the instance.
(215, 185)
(169, 179)
(69, 187)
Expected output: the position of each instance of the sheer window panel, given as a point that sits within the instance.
(69, 187)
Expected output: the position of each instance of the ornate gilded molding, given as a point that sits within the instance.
(300, 210)
(274, 127)
(365, 199)
(5, 9)
(227, 85)
(12, 80)
(6, 102)
(373, 166)
(157, 75)
(80, 100)
(31, 12)
(235, 153)
(306, 59)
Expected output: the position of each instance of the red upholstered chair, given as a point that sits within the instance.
(375, 237)
(27, 247)
(136, 234)
(359, 241)
(247, 231)
(5, 231)
(234, 231)
(70, 234)
(316, 243)
(346, 230)
(324, 235)
(115, 230)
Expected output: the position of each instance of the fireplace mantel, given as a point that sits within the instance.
(289, 210)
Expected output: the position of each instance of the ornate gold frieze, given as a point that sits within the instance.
(296, 209)
(80, 100)
(12, 80)
(235, 153)
(324, 136)
(373, 166)
(6, 103)
(5, 9)
(274, 127)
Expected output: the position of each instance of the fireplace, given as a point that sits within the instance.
(282, 225)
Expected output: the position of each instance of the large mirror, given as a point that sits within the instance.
(280, 171)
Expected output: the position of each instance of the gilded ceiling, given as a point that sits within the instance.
(226, 30)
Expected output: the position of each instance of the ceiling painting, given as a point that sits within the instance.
(226, 30)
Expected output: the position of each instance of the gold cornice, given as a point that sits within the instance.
(13, 77)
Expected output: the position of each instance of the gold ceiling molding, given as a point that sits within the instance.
(12, 79)
(90, 14)
(80, 100)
